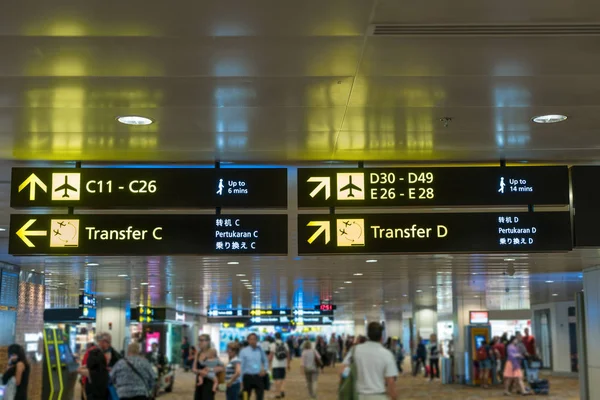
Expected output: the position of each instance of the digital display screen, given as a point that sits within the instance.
(151, 338)
(432, 186)
(148, 234)
(52, 354)
(87, 300)
(479, 339)
(479, 317)
(149, 187)
(326, 307)
(507, 232)
(9, 289)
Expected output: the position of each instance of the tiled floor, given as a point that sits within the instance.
(409, 388)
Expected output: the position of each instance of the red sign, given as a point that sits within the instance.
(479, 317)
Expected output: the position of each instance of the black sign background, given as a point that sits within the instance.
(181, 234)
(467, 232)
(452, 186)
(175, 187)
(586, 202)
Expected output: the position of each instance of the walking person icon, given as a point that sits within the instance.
(221, 187)
(502, 185)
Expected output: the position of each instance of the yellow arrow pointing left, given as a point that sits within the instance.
(324, 226)
(23, 233)
(32, 181)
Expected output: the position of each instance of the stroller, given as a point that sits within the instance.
(532, 371)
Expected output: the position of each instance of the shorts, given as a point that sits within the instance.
(485, 364)
(278, 374)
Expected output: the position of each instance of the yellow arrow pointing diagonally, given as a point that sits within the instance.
(32, 181)
(324, 226)
(23, 233)
(325, 182)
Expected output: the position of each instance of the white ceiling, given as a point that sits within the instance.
(282, 82)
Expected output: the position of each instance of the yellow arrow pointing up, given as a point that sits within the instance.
(23, 233)
(324, 226)
(32, 181)
(325, 182)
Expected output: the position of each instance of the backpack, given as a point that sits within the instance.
(482, 353)
(280, 351)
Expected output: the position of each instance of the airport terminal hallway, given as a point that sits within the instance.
(408, 388)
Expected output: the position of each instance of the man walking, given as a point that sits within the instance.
(280, 356)
(254, 368)
(376, 367)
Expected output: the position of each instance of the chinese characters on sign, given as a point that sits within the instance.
(510, 234)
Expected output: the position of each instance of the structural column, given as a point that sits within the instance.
(589, 366)
(113, 316)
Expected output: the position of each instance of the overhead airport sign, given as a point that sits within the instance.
(271, 320)
(300, 321)
(586, 198)
(507, 232)
(106, 188)
(148, 234)
(227, 313)
(311, 312)
(433, 186)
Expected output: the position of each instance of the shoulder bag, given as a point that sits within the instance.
(135, 371)
(347, 389)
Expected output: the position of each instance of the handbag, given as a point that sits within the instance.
(10, 389)
(347, 390)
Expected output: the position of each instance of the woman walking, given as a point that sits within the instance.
(311, 362)
(205, 384)
(18, 368)
(513, 371)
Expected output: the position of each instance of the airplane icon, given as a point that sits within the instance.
(343, 232)
(347, 223)
(66, 187)
(350, 187)
(56, 232)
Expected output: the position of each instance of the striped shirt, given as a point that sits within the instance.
(230, 370)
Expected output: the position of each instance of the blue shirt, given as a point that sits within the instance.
(253, 360)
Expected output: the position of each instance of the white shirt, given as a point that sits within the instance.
(374, 363)
(279, 363)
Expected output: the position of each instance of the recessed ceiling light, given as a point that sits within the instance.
(476, 296)
(61, 283)
(134, 288)
(196, 302)
(144, 283)
(419, 291)
(371, 261)
(2, 229)
(549, 281)
(240, 274)
(554, 294)
(404, 295)
(92, 264)
(509, 259)
(243, 280)
(549, 118)
(189, 301)
(134, 120)
(107, 298)
(431, 287)
(151, 286)
(336, 292)
(374, 305)
(82, 289)
(386, 301)
(342, 288)
(180, 297)
(473, 273)
(122, 275)
(523, 286)
(358, 274)
(347, 281)
(233, 263)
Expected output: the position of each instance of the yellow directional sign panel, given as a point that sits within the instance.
(23, 233)
(350, 232)
(32, 181)
(65, 233)
(66, 186)
(324, 228)
(350, 186)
